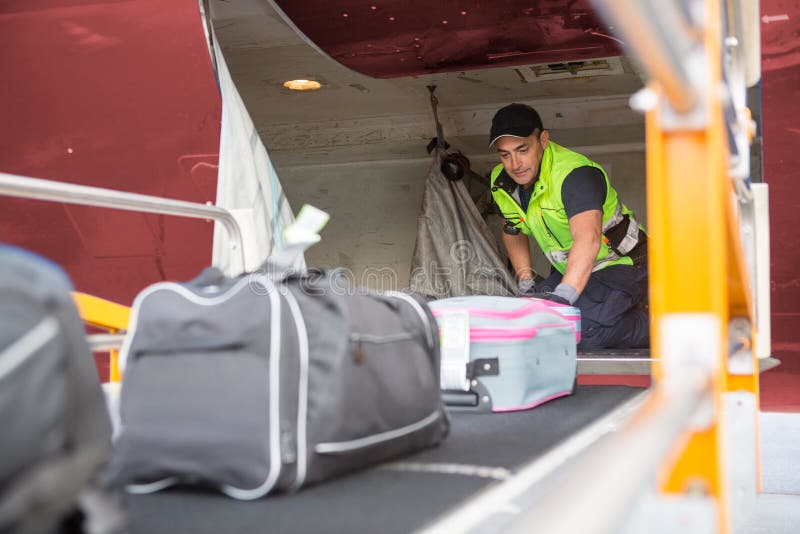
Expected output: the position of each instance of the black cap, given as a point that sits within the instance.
(517, 120)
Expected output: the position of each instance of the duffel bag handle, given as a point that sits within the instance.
(211, 276)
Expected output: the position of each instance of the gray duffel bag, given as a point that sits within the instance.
(255, 384)
(56, 435)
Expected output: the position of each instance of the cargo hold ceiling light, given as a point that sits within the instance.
(302, 85)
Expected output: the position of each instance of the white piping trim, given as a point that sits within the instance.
(151, 487)
(302, 400)
(275, 462)
(417, 308)
(352, 445)
(19, 351)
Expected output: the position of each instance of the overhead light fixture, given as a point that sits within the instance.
(302, 85)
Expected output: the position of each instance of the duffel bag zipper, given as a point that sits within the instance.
(360, 339)
(388, 338)
(421, 312)
(188, 347)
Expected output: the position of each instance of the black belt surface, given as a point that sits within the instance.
(384, 499)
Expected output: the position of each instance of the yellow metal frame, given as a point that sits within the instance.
(697, 262)
(108, 315)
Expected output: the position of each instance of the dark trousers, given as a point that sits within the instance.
(613, 307)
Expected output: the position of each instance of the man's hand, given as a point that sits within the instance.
(519, 252)
(551, 297)
(526, 287)
(563, 294)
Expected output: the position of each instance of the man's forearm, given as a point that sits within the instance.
(519, 252)
(580, 262)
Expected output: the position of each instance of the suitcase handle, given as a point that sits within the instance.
(466, 399)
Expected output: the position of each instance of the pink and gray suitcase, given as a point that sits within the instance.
(569, 312)
(504, 354)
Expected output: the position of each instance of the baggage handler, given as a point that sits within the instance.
(597, 249)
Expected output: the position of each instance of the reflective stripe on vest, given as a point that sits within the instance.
(557, 256)
(631, 238)
(614, 220)
(609, 259)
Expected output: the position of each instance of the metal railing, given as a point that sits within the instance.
(104, 342)
(661, 49)
(50, 190)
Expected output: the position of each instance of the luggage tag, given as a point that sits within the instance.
(454, 342)
(306, 226)
(297, 237)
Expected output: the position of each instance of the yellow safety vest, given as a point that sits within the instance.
(546, 219)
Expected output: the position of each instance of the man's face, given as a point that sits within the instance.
(521, 156)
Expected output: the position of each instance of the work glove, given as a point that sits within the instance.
(526, 287)
(552, 297)
(563, 294)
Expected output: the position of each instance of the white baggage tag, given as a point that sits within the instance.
(454, 340)
(306, 226)
(300, 235)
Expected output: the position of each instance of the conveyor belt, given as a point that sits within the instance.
(399, 497)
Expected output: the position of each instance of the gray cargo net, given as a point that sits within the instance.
(456, 253)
